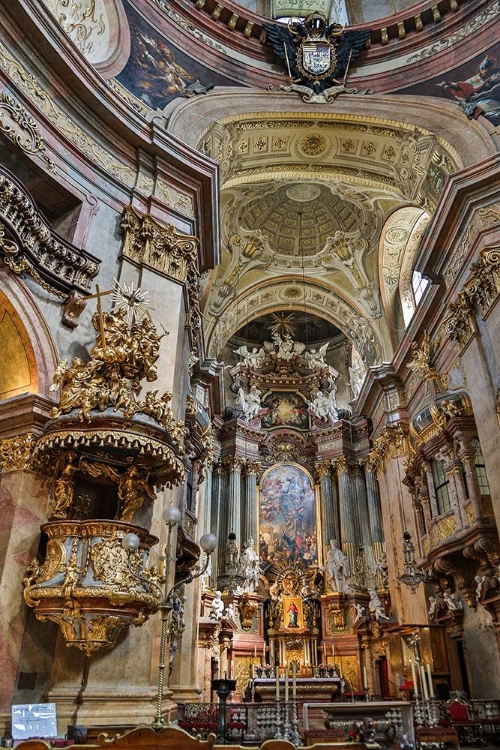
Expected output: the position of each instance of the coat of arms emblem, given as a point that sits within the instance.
(317, 55)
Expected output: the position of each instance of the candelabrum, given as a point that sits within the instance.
(295, 737)
(130, 543)
(287, 727)
(278, 734)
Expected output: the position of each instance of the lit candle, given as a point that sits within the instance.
(294, 684)
(277, 683)
(431, 686)
(286, 684)
(365, 680)
(424, 683)
(414, 678)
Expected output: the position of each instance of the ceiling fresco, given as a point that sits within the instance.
(157, 71)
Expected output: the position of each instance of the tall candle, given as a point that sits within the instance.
(232, 669)
(294, 684)
(431, 686)
(286, 684)
(333, 651)
(263, 654)
(365, 680)
(277, 683)
(414, 678)
(424, 683)
(255, 651)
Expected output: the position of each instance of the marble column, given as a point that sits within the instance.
(234, 497)
(218, 515)
(346, 505)
(361, 516)
(374, 510)
(329, 501)
(250, 523)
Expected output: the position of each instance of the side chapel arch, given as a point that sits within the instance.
(269, 297)
(25, 341)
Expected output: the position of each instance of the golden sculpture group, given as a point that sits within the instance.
(103, 437)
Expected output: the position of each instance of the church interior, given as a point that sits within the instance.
(250, 370)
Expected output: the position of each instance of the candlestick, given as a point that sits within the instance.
(431, 686)
(277, 683)
(414, 678)
(294, 683)
(286, 684)
(424, 683)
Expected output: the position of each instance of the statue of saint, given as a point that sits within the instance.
(249, 567)
(217, 606)
(249, 403)
(375, 606)
(338, 569)
(324, 406)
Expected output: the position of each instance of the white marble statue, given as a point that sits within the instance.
(338, 570)
(285, 346)
(357, 373)
(360, 613)
(382, 569)
(217, 606)
(249, 567)
(451, 601)
(229, 612)
(316, 357)
(249, 358)
(324, 406)
(249, 403)
(375, 606)
(432, 607)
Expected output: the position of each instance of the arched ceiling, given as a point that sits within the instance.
(304, 202)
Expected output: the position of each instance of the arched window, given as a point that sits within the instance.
(441, 487)
(482, 479)
(419, 284)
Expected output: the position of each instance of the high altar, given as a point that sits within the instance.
(312, 596)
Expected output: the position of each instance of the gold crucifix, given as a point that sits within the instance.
(98, 296)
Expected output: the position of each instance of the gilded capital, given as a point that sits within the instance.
(323, 469)
(461, 325)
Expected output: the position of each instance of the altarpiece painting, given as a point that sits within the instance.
(288, 524)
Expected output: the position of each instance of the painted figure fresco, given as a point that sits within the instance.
(157, 71)
(285, 410)
(481, 89)
(287, 518)
(475, 86)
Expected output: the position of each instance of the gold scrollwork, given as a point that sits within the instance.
(446, 527)
(89, 585)
(15, 453)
